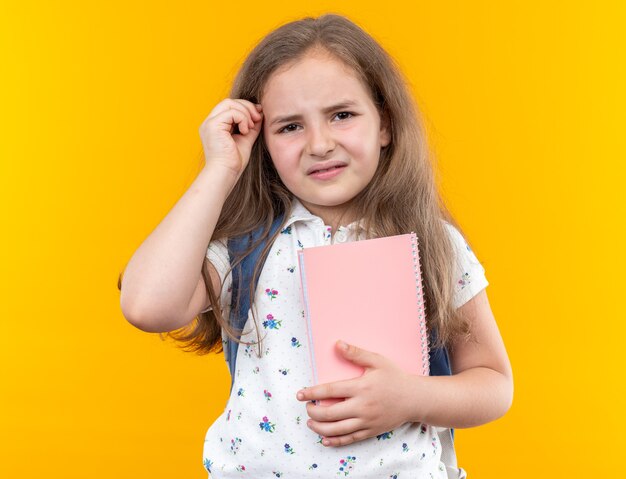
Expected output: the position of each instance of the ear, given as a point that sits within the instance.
(385, 130)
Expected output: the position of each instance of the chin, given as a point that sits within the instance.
(326, 200)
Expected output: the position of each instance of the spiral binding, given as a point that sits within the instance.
(422, 304)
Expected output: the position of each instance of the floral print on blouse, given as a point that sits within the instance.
(262, 431)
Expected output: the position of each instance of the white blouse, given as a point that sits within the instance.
(262, 431)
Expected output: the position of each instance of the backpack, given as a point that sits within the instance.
(439, 359)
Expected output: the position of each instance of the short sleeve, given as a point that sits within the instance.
(217, 254)
(469, 276)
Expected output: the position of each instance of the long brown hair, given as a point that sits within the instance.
(401, 197)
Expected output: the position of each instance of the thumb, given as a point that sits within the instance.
(245, 141)
(359, 356)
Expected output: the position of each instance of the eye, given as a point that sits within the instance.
(288, 128)
(344, 115)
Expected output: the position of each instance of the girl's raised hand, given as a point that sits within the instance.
(375, 403)
(229, 132)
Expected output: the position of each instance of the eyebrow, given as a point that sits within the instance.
(338, 106)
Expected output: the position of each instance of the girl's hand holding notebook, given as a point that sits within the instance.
(374, 404)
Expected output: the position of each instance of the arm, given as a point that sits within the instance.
(481, 387)
(162, 286)
(480, 390)
(163, 275)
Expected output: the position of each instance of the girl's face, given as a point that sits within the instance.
(323, 132)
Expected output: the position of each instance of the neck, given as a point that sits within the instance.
(334, 216)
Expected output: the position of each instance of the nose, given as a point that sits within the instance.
(320, 140)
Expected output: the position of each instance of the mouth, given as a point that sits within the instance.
(323, 168)
(327, 169)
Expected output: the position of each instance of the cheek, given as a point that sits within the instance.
(284, 154)
(364, 148)
(364, 140)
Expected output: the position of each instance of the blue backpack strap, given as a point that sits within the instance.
(439, 362)
(439, 359)
(241, 279)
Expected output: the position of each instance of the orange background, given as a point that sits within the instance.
(101, 105)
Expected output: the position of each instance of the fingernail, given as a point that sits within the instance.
(258, 106)
(325, 441)
(343, 345)
(300, 395)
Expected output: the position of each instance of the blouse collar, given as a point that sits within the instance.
(300, 213)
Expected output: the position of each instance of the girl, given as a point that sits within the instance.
(319, 128)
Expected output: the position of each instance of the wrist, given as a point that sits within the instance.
(220, 176)
(216, 167)
(417, 400)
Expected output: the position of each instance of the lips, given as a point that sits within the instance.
(329, 165)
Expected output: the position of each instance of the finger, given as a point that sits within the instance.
(244, 106)
(359, 356)
(344, 440)
(246, 140)
(337, 389)
(229, 104)
(232, 117)
(236, 113)
(336, 412)
(335, 428)
(252, 109)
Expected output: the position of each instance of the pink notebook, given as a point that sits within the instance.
(368, 293)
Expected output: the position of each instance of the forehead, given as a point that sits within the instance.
(318, 77)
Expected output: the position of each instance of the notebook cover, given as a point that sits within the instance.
(369, 294)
